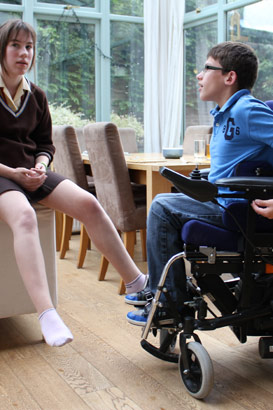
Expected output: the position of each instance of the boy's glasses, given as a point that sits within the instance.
(211, 67)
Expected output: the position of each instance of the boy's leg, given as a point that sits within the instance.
(167, 216)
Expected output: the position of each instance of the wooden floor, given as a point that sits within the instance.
(105, 366)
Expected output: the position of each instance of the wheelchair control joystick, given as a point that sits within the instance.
(195, 174)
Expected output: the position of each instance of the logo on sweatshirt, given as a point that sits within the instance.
(230, 129)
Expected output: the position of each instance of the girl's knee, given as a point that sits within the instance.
(27, 219)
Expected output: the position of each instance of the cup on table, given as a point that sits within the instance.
(208, 150)
(199, 149)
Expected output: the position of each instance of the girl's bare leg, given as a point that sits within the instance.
(79, 204)
(16, 211)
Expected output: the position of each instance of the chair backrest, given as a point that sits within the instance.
(128, 139)
(195, 132)
(67, 159)
(80, 138)
(111, 176)
(270, 104)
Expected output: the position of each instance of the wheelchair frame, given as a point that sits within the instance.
(234, 298)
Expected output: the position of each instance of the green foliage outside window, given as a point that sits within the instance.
(127, 7)
(66, 62)
(127, 69)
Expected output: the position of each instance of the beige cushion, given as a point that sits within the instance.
(14, 299)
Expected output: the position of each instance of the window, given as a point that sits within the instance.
(78, 3)
(253, 25)
(66, 64)
(250, 23)
(198, 41)
(127, 69)
(127, 7)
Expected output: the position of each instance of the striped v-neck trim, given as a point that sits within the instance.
(23, 106)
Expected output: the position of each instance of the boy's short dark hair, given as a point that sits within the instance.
(238, 57)
(11, 28)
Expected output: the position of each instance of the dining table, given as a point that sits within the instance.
(144, 169)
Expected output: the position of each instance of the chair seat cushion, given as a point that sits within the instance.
(200, 233)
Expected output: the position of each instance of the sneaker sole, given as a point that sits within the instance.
(136, 323)
(136, 302)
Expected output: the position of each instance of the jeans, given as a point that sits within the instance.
(167, 215)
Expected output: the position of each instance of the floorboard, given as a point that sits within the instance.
(105, 366)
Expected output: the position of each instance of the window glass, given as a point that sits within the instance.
(253, 25)
(127, 7)
(11, 1)
(66, 64)
(83, 3)
(8, 15)
(127, 74)
(198, 41)
(192, 5)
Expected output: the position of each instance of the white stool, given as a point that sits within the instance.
(14, 299)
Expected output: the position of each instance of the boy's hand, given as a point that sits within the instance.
(263, 207)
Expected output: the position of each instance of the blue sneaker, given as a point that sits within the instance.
(138, 317)
(139, 298)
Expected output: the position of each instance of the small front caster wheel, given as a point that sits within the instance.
(198, 379)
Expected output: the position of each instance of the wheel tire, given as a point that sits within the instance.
(163, 335)
(199, 381)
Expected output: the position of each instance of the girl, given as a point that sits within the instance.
(26, 151)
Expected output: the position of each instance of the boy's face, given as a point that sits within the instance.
(212, 83)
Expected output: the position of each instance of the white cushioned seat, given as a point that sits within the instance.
(14, 299)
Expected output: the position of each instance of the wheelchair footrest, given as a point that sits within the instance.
(167, 357)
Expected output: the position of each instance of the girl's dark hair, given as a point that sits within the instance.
(10, 29)
(238, 57)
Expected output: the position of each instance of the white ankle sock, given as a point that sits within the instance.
(55, 332)
(137, 284)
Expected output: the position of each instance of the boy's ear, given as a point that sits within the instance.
(231, 78)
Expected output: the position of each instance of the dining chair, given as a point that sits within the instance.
(113, 188)
(68, 162)
(128, 140)
(195, 132)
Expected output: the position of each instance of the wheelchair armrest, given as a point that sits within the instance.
(246, 183)
(204, 172)
(201, 190)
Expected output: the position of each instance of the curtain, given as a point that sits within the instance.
(163, 68)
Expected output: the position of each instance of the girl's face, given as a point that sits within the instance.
(19, 54)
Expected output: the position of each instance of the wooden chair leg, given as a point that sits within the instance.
(129, 243)
(59, 229)
(84, 245)
(66, 235)
(143, 244)
(103, 267)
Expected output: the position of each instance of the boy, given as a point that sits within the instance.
(242, 130)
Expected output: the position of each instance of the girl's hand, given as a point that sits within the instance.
(29, 179)
(263, 207)
(41, 166)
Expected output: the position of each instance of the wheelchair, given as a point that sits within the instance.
(243, 251)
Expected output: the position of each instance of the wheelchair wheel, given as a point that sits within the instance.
(167, 341)
(199, 380)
